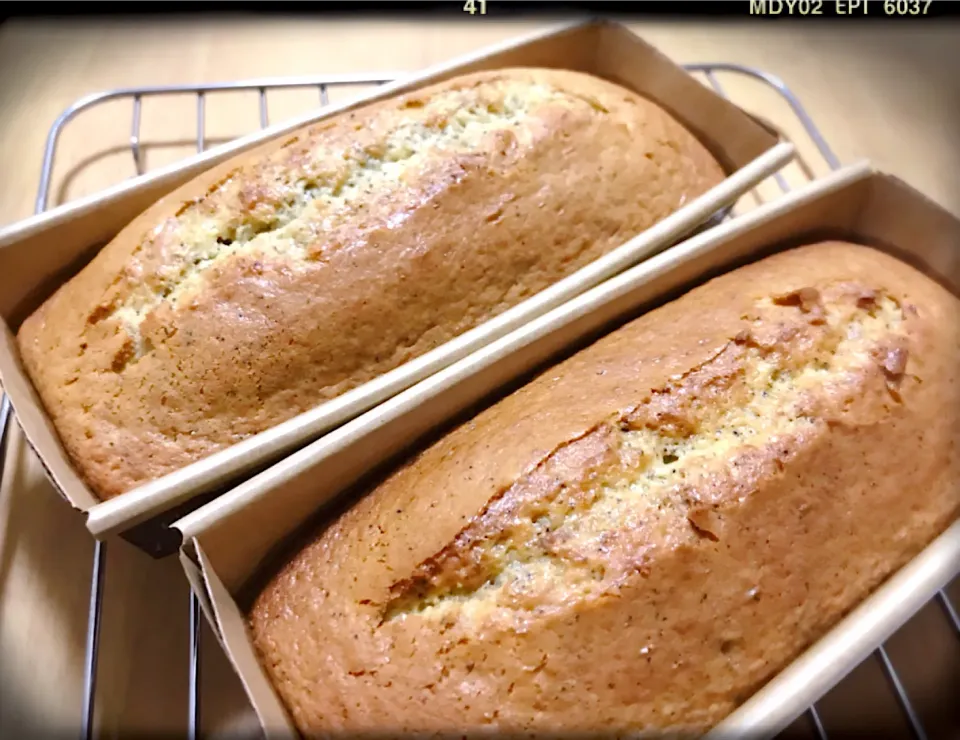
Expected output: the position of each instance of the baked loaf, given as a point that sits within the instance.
(647, 532)
(294, 273)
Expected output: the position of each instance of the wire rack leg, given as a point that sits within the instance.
(814, 717)
(909, 712)
(193, 688)
(193, 718)
(950, 611)
(93, 641)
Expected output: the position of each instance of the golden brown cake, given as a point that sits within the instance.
(647, 532)
(289, 275)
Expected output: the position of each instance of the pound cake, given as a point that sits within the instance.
(289, 275)
(643, 535)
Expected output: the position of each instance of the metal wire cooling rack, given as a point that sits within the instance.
(709, 73)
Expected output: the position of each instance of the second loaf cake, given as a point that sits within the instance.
(289, 275)
(647, 532)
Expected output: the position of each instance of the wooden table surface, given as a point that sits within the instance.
(890, 93)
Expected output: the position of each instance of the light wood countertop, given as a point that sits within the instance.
(890, 93)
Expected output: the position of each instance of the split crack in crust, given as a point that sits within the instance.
(456, 122)
(541, 543)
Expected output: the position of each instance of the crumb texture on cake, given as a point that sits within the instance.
(332, 192)
(550, 540)
(646, 533)
(318, 262)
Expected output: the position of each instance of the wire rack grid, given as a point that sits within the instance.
(707, 73)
